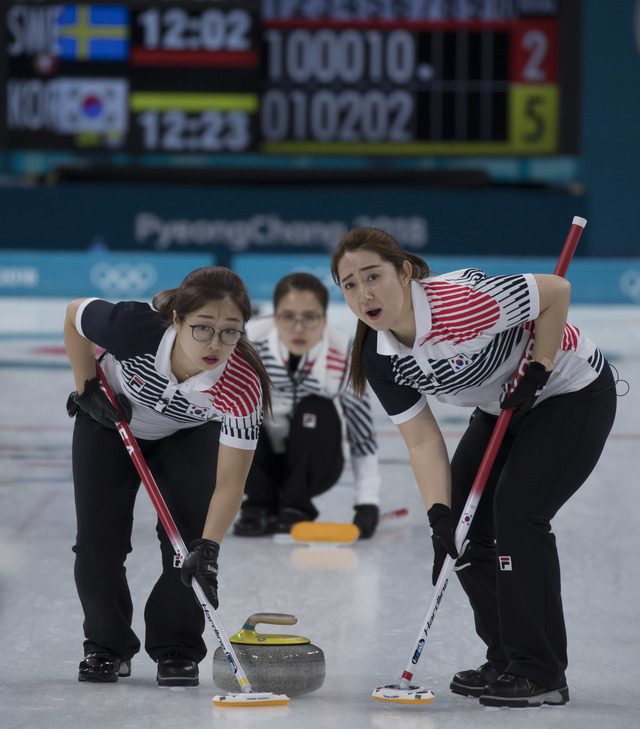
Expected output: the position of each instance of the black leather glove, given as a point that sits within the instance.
(96, 404)
(525, 392)
(443, 537)
(366, 519)
(202, 563)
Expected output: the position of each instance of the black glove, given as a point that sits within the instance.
(525, 392)
(202, 563)
(442, 536)
(366, 519)
(95, 403)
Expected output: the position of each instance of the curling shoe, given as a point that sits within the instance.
(175, 669)
(254, 522)
(287, 517)
(473, 682)
(103, 668)
(519, 692)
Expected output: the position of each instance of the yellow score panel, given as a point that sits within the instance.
(533, 118)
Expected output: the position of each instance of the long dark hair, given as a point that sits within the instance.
(213, 283)
(388, 248)
(301, 281)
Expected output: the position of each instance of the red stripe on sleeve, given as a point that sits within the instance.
(238, 391)
(458, 313)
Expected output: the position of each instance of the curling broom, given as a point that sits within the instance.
(245, 697)
(404, 692)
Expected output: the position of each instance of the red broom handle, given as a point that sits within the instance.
(145, 474)
(172, 531)
(577, 226)
(480, 481)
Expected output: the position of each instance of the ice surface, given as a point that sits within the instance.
(362, 604)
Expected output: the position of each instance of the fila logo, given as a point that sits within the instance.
(505, 564)
(309, 420)
(136, 384)
(459, 362)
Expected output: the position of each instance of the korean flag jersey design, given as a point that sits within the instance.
(323, 371)
(471, 331)
(138, 363)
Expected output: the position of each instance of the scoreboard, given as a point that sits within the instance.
(292, 77)
(140, 77)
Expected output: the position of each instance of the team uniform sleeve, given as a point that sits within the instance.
(241, 400)
(401, 402)
(497, 303)
(361, 436)
(359, 420)
(241, 432)
(123, 329)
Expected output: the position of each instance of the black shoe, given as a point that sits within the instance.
(287, 517)
(520, 692)
(175, 669)
(253, 522)
(103, 668)
(473, 682)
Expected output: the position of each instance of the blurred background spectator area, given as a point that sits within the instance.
(140, 136)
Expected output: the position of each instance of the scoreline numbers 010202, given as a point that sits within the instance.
(341, 85)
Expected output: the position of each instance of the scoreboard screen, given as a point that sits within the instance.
(138, 77)
(301, 77)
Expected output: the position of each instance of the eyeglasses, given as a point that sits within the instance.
(203, 333)
(309, 320)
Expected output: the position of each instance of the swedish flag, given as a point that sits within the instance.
(93, 33)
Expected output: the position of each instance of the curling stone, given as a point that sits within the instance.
(282, 664)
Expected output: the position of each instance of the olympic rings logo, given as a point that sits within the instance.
(123, 279)
(630, 284)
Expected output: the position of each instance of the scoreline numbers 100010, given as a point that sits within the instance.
(339, 85)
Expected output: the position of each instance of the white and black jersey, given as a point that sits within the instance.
(323, 371)
(471, 331)
(137, 363)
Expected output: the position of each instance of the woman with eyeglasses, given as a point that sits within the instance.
(299, 453)
(192, 388)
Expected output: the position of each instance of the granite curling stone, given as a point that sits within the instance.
(282, 664)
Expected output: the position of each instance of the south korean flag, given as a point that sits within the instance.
(197, 411)
(459, 362)
(92, 105)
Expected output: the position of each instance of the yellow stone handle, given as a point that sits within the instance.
(271, 618)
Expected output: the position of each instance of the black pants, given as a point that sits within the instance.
(513, 573)
(312, 463)
(106, 484)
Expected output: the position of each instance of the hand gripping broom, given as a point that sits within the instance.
(246, 697)
(403, 692)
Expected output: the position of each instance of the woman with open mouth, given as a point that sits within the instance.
(459, 337)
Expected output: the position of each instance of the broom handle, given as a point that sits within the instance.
(133, 449)
(577, 226)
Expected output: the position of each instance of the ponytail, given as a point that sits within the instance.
(357, 378)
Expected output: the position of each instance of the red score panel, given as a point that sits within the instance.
(534, 52)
